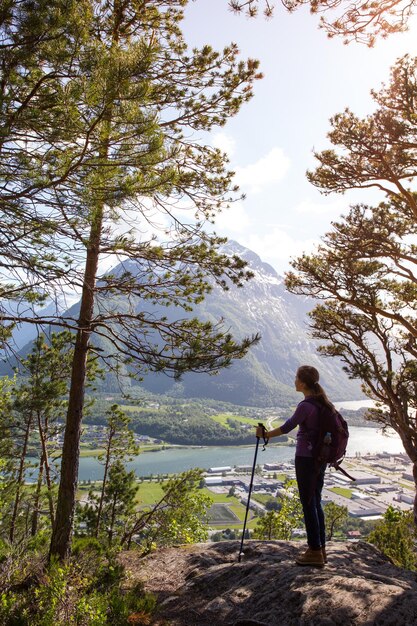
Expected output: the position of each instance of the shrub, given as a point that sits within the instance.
(396, 535)
(86, 591)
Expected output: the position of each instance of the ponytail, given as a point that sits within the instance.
(310, 377)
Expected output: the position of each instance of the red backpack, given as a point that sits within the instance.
(333, 437)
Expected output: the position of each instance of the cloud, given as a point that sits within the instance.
(325, 207)
(225, 143)
(278, 247)
(234, 220)
(269, 169)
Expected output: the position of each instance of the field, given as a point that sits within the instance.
(149, 493)
(234, 508)
(222, 418)
(226, 511)
(221, 514)
(342, 491)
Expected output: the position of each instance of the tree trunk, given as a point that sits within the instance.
(36, 502)
(19, 479)
(103, 487)
(62, 531)
(112, 520)
(43, 435)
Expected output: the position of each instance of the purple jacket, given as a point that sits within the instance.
(306, 417)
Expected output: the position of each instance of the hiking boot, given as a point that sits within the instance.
(323, 551)
(311, 557)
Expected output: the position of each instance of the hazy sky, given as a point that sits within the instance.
(308, 78)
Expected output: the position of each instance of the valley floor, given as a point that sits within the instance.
(382, 480)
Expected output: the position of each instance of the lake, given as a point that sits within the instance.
(176, 460)
(354, 405)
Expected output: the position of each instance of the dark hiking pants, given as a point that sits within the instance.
(310, 485)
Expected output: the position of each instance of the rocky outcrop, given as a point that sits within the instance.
(205, 585)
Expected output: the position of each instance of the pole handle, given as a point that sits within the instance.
(264, 437)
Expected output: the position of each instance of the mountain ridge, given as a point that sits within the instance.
(265, 377)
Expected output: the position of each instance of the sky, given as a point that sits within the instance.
(307, 79)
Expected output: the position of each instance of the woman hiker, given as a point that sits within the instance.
(310, 477)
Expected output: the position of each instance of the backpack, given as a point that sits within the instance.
(333, 438)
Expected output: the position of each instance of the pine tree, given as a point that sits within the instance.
(119, 446)
(37, 402)
(179, 517)
(354, 20)
(365, 271)
(119, 500)
(101, 101)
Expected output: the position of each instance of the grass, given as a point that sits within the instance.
(219, 497)
(251, 523)
(87, 451)
(221, 514)
(95, 485)
(239, 510)
(342, 491)
(236, 506)
(132, 408)
(149, 493)
(222, 419)
(407, 486)
(263, 498)
(84, 452)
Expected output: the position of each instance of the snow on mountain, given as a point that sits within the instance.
(265, 377)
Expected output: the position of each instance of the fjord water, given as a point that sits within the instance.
(173, 460)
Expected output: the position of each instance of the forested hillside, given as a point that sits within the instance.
(200, 421)
(188, 422)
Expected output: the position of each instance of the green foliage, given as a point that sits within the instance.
(175, 513)
(120, 441)
(225, 535)
(272, 505)
(89, 590)
(396, 537)
(270, 526)
(186, 422)
(179, 517)
(336, 517)
(368, 310)
(36, 402)
(88, 545)
(99, 105)
(363, 21)
(100, 94)
(118, 486)
(117, 504)
(280, 524)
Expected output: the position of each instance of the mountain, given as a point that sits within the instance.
(265, 377)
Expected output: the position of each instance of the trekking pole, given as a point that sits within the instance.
(250, 487)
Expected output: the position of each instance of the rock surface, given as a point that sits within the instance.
(205, 585)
